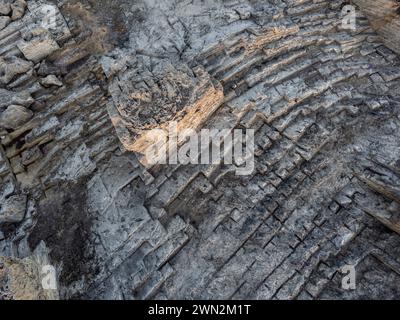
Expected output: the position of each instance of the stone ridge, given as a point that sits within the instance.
(76, 100)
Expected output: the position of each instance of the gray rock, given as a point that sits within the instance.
(22, 98)
(13, 209)
(39, 47)
(11, 67)
(5, 8)
(18, 9)
(15, 116)
(118, 231)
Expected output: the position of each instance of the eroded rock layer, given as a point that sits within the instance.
(384, 17)
(79, 92)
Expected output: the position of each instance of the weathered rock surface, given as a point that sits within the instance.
(323, 102)
(21, 279)
(14, 117)
(145, 100)
(11, 67)
(5, 8)
(51, 80)
(13, 209)
(4, 21)
(384, 16)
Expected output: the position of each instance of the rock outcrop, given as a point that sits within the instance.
(82, 85)
(384, 16)
(22, 279)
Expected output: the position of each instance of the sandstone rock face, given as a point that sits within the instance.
(80, 94)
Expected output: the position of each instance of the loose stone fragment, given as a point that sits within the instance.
(38, 48)
(15, 116)
(5, 8)
(51, 80)
(18, 9)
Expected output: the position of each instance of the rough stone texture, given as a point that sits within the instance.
(14, 116)
(384, 18)
(145, 100)
(324, 103)
(20, 278)
(13, 209)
